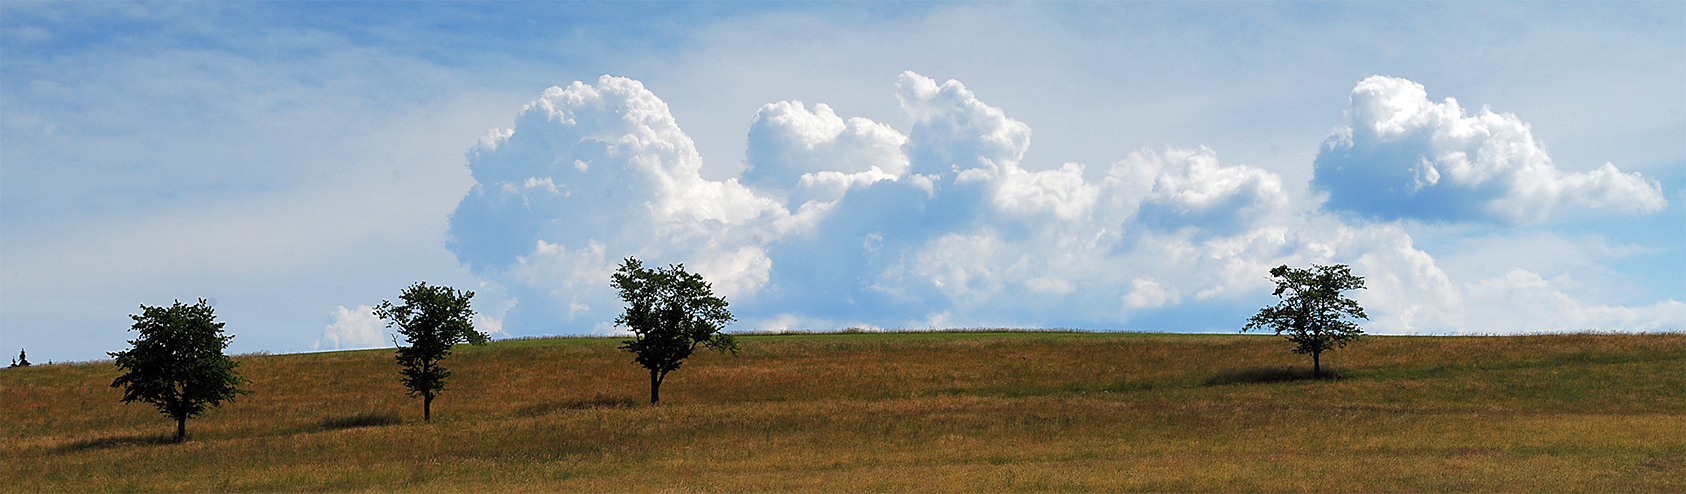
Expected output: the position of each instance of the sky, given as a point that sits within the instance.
(1487, 167)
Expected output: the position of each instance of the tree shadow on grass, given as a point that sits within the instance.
(1263, 375)
(117, 442)
(371, 419)
(598, 401)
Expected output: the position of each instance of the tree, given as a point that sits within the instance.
(1313, 312)
(177, 362)
(432, 319)
(21, 361)
(670, 312)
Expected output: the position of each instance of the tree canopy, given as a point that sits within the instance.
(1313, 313)
(177, 362)
(432, 320)
(670, 312)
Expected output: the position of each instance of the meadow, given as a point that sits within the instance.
(927, 412)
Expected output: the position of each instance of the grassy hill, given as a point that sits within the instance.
(897, 412)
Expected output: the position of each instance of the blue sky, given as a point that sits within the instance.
(1134, 166)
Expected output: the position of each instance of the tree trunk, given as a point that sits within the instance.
(181, 428)
(655, 388)
(1316, 364)
(427, 408)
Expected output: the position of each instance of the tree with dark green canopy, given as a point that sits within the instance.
(432, 320)
(177, 362)
(1313, 312)
(670, 312)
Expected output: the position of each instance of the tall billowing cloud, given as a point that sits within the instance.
(592, 173)
(817, 153)
(969, 236)
(1404, 156)
(848, 222)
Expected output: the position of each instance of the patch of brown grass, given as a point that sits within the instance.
(898, 412)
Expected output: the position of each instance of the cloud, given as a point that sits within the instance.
(1522, 298)
(125, 133)
(1404, 156)
(954, 132)
(488, 324)
(845, 222)
(353, 328)
(1189, 188)
(792, 148)
(591, 174)
(1148, 294)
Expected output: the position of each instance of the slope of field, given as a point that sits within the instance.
(897, 412)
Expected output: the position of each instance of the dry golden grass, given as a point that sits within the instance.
(898, 412)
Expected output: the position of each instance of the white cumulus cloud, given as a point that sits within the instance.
(1147, 294)
(592, 173)
(1405, 156)
(1525, 299)
(847, 222)
(791, 147)
(954, 132)
(353, 328)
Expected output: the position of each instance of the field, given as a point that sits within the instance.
(1001, 411)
